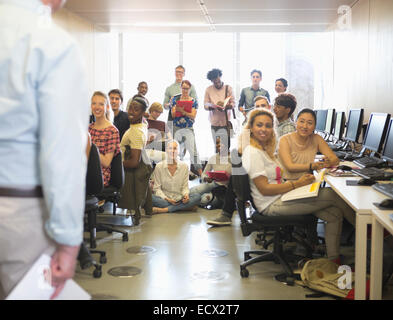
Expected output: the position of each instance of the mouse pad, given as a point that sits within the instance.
(381, 208)
(352, 182)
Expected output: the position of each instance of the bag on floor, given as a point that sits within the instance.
(322, 275)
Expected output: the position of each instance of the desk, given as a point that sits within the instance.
(380, 220)
(360, 199)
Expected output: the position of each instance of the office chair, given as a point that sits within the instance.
(281, 226)
(112, 194)
(94, 186)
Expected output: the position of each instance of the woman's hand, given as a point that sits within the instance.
(318, 165)
(304, 180)
(171, 201)
(186, 198)
(208, 180)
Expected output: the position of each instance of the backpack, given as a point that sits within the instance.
(322, 275)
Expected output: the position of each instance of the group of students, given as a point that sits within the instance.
(277, 152)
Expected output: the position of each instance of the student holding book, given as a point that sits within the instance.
(297, 151)
(257, 145)
(184, 110)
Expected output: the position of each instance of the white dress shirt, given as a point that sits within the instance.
(44, 113)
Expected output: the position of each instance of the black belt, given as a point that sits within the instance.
(35, 192)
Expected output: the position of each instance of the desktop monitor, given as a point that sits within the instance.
(354, 125)
(339, 125)
(387, 152)
(376, 131)
(321, 120)
(329, 121)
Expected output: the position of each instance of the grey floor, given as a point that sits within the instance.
(182, 258)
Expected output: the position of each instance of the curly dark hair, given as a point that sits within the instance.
(214, 74)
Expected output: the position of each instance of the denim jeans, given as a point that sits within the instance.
(159, 202)
(186, 139)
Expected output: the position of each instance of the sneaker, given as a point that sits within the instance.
(221, 220)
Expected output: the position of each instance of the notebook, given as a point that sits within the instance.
(308, 191)
(218, 175)
(215, 106)
(187, 105)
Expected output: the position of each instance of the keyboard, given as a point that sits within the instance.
(385, 188)
(350, 156)
(340, 154)
(366, 162)
(373, 173)
(335, 147)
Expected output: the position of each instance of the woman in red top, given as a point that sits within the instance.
(104, 134)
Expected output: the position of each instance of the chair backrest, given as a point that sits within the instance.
(117, 172)
(94, 181)
(240, 179)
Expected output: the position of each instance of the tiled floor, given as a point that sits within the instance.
(184, 259)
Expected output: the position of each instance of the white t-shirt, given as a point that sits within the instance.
(257, 163)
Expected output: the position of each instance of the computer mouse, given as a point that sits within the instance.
(344, 167)
(366, 182)
(387, 203)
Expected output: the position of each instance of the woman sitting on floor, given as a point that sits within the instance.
(170, 184)
(219, 162)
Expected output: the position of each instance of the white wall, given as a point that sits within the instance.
(100, 49)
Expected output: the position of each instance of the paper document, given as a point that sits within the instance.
(35, 285)
(308, 191)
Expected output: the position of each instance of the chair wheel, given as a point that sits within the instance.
(244, 273)
(125, 237)
(97, 272)
(103, 260)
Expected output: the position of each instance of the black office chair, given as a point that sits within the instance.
(94, 186)
(281, 226)
(112, 194)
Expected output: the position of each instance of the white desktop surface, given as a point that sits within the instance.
(361, 199)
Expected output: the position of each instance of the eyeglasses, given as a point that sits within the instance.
(185, 88)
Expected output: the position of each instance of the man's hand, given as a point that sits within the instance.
(186, 198)
(62, 266)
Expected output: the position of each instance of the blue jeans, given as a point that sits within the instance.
(159, 202)
(204, 189)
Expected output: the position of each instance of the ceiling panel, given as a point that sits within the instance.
(223, 15)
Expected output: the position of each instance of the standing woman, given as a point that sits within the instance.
(136, 192)
(183, 124)
(104, 134)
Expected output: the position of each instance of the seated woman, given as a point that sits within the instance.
(158, 132)
(257, 146)
(135, 191)
(183, 122)
(221, 161)
(297, 151)
(170, 184)
(104, 134)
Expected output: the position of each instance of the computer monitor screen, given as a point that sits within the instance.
(376, 131)
(387, 152)
(354, 126)
(329, 121)
(321, 120)
(339, 125)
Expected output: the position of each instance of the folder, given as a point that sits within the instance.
(186, 105)
(218, 175)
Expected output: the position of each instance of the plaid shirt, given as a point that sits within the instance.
(107, 140)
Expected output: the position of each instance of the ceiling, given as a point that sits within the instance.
(209, 15)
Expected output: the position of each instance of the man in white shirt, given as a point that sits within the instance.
(43, 135)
